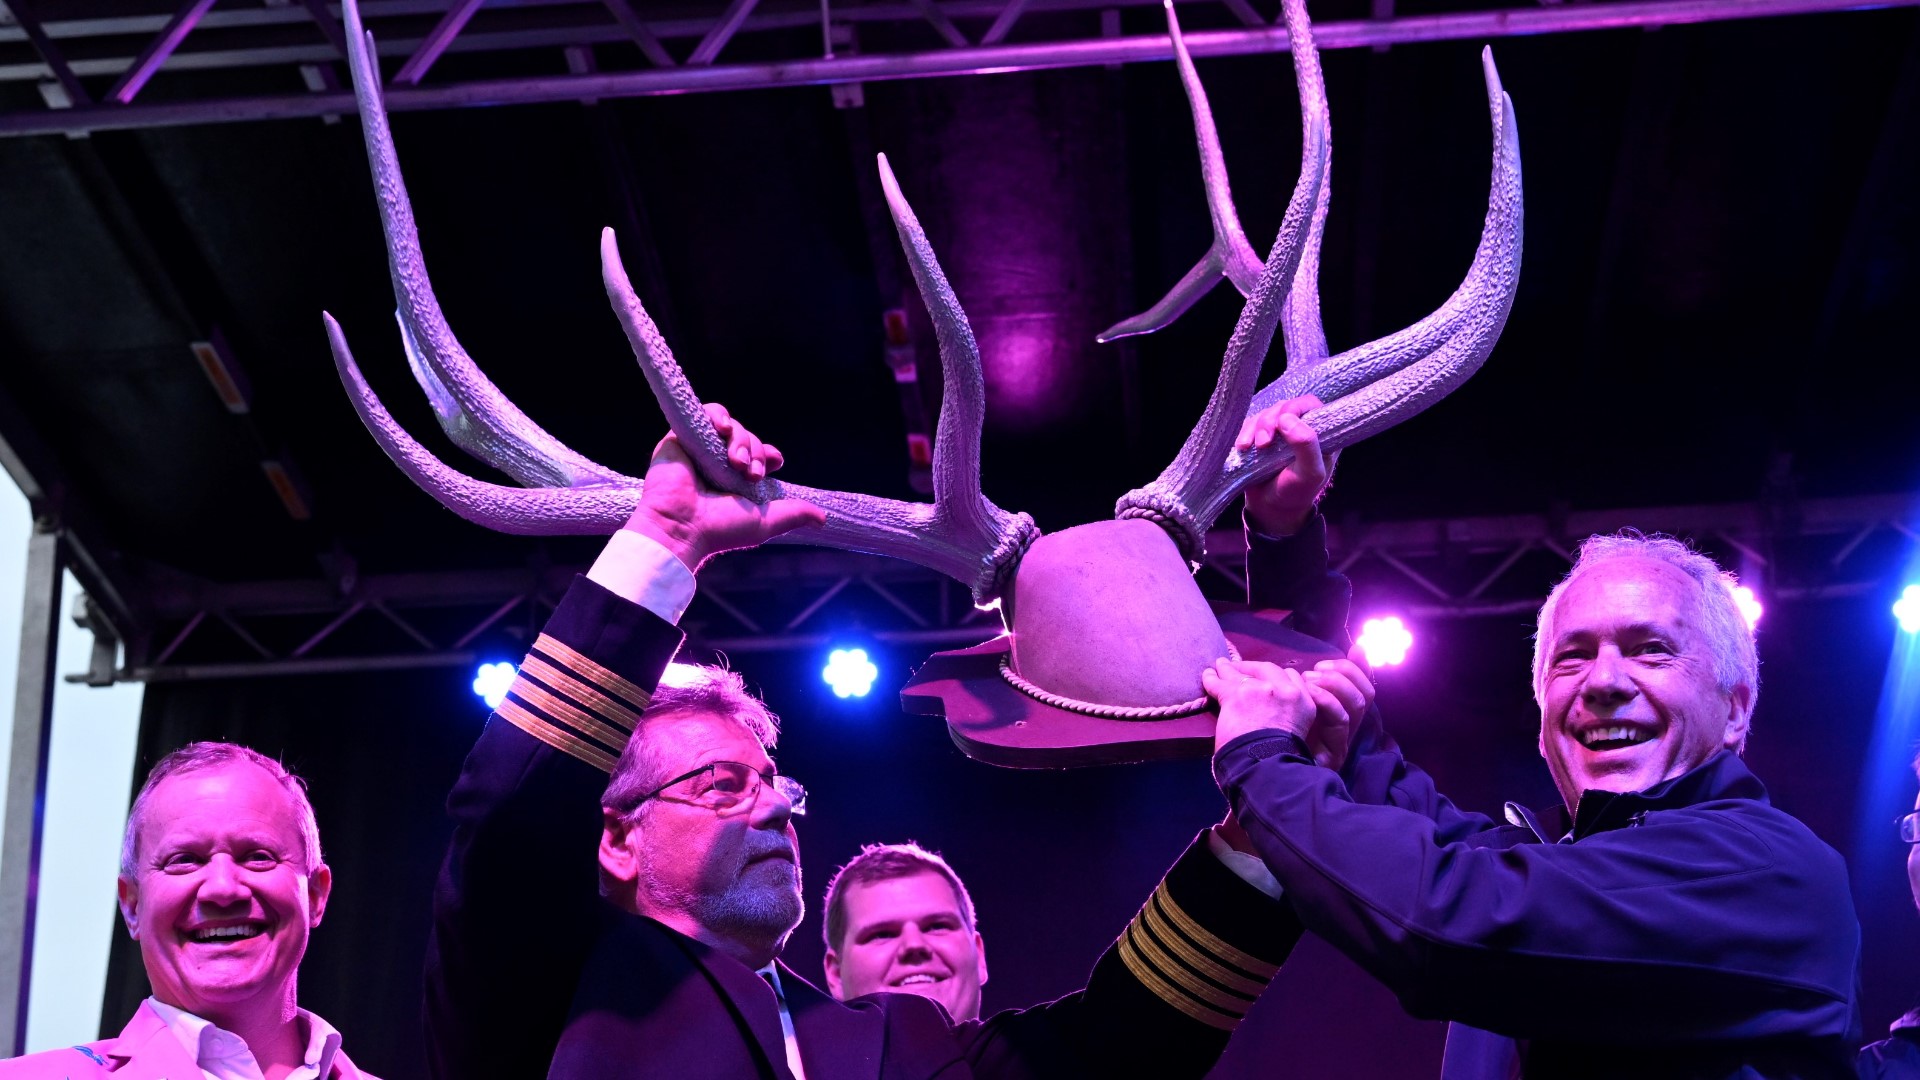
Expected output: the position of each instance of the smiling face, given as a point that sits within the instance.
(906, 935)
(728, 878)
(1629, 696)
(221, 899)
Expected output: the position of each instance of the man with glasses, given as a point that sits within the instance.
(1897, 1056)
(674, 973)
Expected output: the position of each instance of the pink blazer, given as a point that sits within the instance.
(146, 1050)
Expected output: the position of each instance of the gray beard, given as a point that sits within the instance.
(757, 908)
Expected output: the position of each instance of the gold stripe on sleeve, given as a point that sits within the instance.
(560, 709)
(611, 709)
(1169, 993)
(554, 737)
(1152, 920)
(1164, 944)
(1207, 940)
(1150, 952)
(593, 671)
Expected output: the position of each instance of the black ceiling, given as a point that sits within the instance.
(1722, 271)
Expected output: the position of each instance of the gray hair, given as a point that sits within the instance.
(1729, 637)
(199, 757)
(707, 689)
(885, 862)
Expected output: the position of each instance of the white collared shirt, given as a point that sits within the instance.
(222, 1055)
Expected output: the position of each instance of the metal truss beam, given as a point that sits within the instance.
(790, 598)
(700, 75)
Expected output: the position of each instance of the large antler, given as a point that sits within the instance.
(1373, 386)
(960, 534)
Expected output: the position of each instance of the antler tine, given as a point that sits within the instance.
(1300, 325)
(470, 409)
(681, 406)
(1478, 307)
(1230, 255)
(552, 511)
(960, 534)
(1376, 386)
(1183, 488)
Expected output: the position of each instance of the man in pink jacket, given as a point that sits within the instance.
(221, 881)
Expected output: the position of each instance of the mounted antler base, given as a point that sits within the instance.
(994, 722)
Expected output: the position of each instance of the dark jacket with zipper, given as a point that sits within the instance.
(1688, 930)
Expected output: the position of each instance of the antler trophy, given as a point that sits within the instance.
(1108, 630)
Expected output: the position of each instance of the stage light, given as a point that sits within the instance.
(1907, 609)
(849, 672)
(1748, 604)
(491, 682)
(1385, 641)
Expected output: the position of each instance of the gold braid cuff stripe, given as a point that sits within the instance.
(592, 670)
(554, 737)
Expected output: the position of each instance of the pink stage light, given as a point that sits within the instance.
(1385, 641)
(1749, 605)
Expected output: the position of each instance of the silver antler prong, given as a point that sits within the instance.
(1230, 255)
(960, 534)
(539, 511)
(1174, 497)
(470, 409)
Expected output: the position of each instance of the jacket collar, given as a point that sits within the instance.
(1722, 776)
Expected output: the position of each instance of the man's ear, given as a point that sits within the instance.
(980, 948)
(1739, 719)
(129, 906)
(617, 856)
(319, 887)
(832, 966)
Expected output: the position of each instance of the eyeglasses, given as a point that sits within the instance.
(725, 787)
(1910, 827)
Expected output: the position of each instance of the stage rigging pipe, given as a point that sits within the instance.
(27, 781)
(974, 60)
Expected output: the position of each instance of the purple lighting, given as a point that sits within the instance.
(1385, 641)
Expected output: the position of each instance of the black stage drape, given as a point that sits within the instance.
(1057, 861)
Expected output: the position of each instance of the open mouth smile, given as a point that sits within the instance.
(919, 978)
(225, 935)
(1613, 737)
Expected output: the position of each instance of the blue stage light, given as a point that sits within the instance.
(849, 672)
(491, 682)
(1907, 609)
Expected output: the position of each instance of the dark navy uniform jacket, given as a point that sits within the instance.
(530, 973)
(1690, 930)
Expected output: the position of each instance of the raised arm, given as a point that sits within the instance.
(517, 906)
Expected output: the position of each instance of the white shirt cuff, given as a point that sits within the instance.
(639, 569)
(1247, 868)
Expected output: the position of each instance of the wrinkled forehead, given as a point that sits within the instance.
(687, 740)
(1624, 595)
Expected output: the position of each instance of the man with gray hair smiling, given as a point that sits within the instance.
(221, 882)
(1664, 921)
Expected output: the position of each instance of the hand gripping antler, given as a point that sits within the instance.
(961, 534)
(1373, 386)
(1173, 498)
